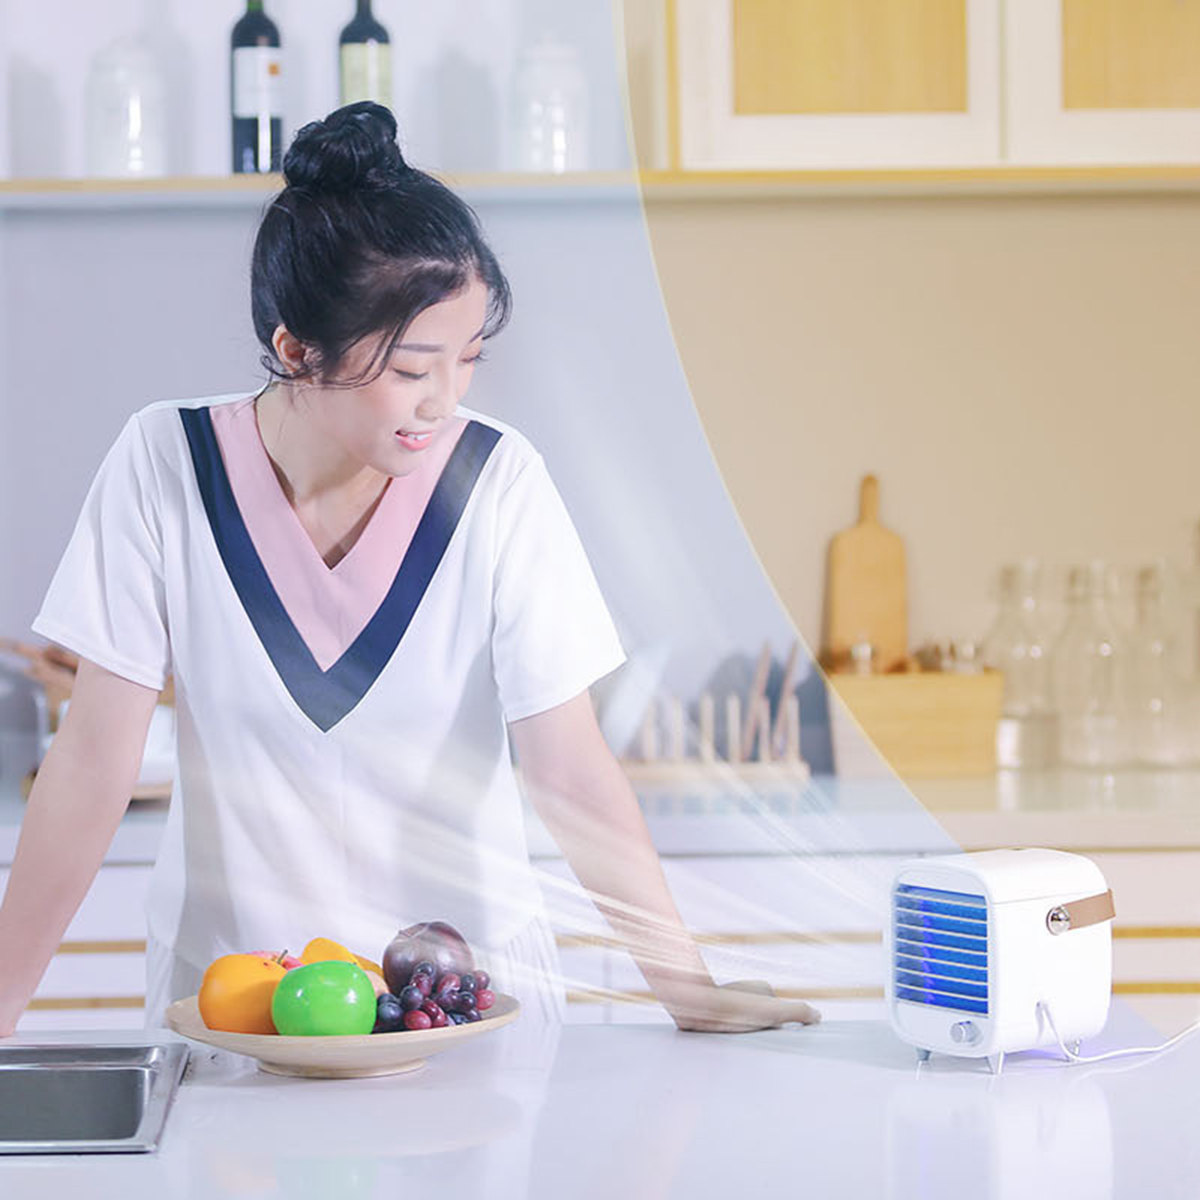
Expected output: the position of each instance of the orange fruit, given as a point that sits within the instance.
(236, 993)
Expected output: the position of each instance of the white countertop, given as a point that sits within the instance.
(1070, 809)
(647, 1112)
(711, 817)
(1081, 810)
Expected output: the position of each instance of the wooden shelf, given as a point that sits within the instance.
(251, 191)
(653, 186)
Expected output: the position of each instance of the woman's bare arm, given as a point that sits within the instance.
(80, 793)
(578, 789)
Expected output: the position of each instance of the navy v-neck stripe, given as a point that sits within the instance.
(327, 696)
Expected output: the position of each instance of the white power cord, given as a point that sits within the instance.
(1094, 1058)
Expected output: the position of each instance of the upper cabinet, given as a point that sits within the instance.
(879, 84)
(768, 84)
(1103, 81)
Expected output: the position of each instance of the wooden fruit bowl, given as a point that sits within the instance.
(345, 1057)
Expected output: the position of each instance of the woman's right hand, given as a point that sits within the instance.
(740, 1007)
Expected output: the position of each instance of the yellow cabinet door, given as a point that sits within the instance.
(1103, 81)
(766, 84)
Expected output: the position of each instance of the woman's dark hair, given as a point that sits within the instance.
(359, 243)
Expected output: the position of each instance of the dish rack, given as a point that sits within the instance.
(754, 750)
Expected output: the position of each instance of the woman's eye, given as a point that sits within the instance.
(419, 375)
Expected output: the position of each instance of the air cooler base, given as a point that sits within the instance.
(995, 1062)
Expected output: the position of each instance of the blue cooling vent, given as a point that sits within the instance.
(941, 948)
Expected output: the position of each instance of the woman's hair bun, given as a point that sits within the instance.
(353, 147)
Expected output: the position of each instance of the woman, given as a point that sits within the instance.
(367, 596)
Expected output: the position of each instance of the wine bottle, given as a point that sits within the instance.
(365, 59)
(256, 92)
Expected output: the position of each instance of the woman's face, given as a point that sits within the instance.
(389, 422)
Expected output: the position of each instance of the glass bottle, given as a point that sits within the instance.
(365, 59)
(126, 134)
(1157, 692)
(1189, 626)
(1027, 733)
(549, 119)
(1090, 675)
(256, 92)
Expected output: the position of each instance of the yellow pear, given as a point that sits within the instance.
(322, 949)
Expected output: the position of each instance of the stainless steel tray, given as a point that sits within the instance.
(64, 1099)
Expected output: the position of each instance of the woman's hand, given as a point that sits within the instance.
(739, 1007)
(585, 801)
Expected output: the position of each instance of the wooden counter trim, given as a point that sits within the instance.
(604, 996)
(130, 946)
(1158, 987)
(1070, 848)
(1156, 931)
(66, 1003)
(849, 937)
(783, 937)
(1155, 987)
(600, 941)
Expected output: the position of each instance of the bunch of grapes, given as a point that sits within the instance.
(433, 1001)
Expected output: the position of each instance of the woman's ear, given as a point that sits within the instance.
(288, 349)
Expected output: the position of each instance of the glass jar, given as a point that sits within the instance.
(1027, 732)
(1089, 668)
(549, 118)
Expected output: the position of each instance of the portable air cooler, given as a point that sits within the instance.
(977, 942)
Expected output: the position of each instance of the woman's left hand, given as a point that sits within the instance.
(739, 1007)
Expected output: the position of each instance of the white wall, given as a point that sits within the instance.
(111, 310)
(1020, 372)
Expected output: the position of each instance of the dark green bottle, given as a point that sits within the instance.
(365, 59)
(256, 92)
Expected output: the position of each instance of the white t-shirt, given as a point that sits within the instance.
(351, 801)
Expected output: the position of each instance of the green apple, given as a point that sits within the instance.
(324, 998)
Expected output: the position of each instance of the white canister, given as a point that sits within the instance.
(126, 112)
(549, 117)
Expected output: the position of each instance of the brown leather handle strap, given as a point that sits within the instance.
(1079, 914)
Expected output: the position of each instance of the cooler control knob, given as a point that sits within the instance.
(965, 1032)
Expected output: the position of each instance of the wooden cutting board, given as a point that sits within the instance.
(865, 589)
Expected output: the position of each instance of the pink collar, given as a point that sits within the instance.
(329, 606)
